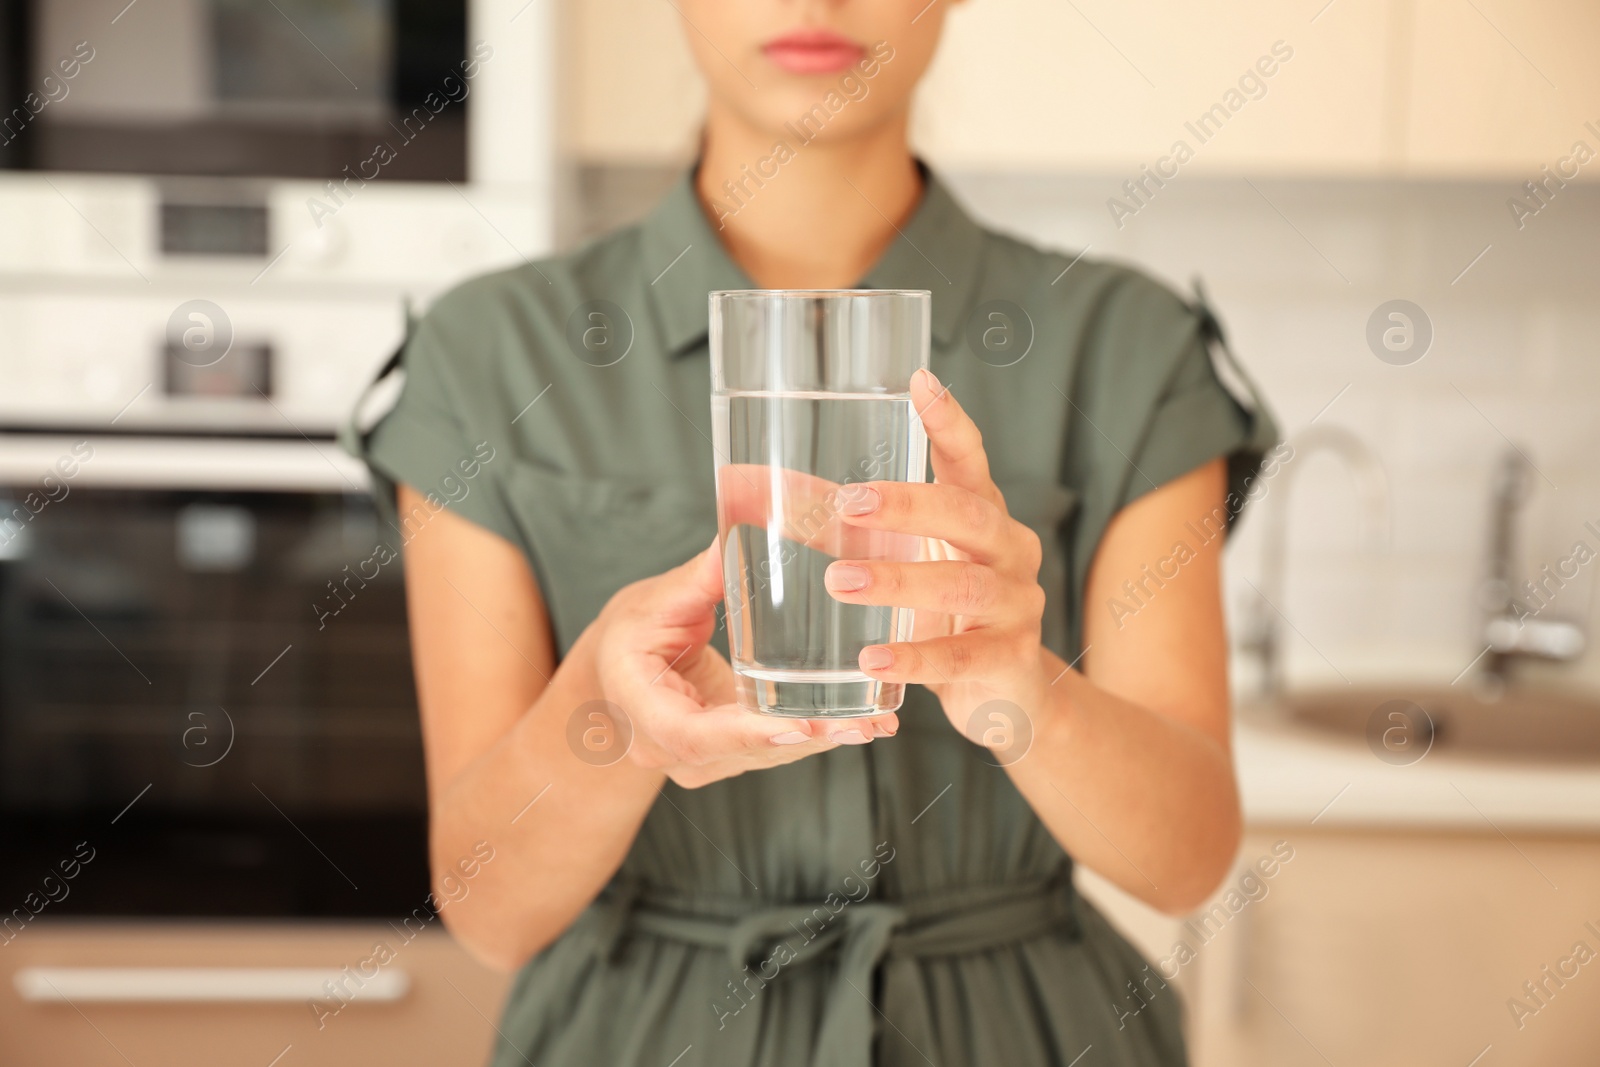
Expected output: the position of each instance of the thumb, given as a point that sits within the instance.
(693, 588)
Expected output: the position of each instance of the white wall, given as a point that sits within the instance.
(1296, 268)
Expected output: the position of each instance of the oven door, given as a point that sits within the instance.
(206, 702)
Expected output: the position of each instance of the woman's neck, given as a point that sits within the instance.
(811, 215)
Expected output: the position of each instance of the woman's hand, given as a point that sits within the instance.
(654, 662)
(983, 605)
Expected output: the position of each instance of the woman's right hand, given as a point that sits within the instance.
(654, 663)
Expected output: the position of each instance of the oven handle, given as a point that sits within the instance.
(194, 985)
(202, 463)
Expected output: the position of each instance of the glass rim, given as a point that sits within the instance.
(813, 294)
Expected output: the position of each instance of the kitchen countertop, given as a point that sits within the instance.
(1293, 776)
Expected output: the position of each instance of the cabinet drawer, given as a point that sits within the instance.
(93, 994)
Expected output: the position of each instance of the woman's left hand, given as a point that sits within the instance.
(984, 606)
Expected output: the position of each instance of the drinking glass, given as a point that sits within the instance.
(810, 397)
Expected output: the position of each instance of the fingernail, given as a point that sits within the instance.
(861, 500)
(792, 738)
(848, 737)
(876, 658)
(846, 578)
(882, 730)
(932, 379)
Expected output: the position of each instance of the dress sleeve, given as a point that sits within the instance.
(1196, 419)
(432, 440)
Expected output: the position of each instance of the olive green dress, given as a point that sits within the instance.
(895, 903)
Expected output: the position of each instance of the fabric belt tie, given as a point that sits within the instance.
(860, 937)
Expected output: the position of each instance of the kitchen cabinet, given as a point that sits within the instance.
(427, 1003)
(1373, 88)
(1391, 949)
(630, 93)
(1246, 84)
(1502, 87)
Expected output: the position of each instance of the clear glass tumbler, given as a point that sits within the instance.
(811, 396)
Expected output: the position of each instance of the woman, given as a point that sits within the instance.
(750, 890)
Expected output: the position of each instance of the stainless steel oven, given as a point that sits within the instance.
(210, 761)
(205, 683)
(293, 88)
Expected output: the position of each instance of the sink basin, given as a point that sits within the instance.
(1401, 725)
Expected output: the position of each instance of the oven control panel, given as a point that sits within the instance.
(255, 308)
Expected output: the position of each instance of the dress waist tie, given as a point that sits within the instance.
(860, 937)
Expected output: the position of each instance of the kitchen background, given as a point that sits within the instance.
(1421, 775)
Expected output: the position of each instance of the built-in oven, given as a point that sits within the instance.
(310, 152)
(212, 798)
(213, 217)
(289, 88)
(216, 214)
(206, 702)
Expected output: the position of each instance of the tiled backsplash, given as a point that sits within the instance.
(1296, 268)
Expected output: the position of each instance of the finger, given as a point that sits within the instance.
(730, 732)
(710, 675)
(802, 507)
(953, 587)
(776, 756)
(690, 733)
(955, 444)
(968, 521)
(688, 593)
(746, 490)
(857, 731)
(852, 731)
(971, 656)
(686, 732)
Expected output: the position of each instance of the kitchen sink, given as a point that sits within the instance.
(1401, 725)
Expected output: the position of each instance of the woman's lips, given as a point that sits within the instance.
(813, 52)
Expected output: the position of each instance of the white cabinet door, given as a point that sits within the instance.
(1500, 87)
(179, 993)
(1097, 85)
(1398, 949)
(1428, 88)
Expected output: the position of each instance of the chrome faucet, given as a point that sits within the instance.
(1263, 634)
(1515, 629)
